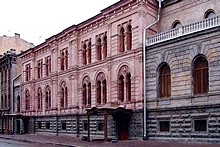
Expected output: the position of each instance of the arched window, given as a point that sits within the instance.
(122, 40)
(62, 58)
(84, 59)
(89, 94)
(101, 89)
(209, 13)
(121, 88)
(86, 91)
(99, 49)
(98, 92)
(27, 100)
(89, 52)
(84, 94)
(104, 85)
(164, 81)
(201, 76)
(104, 46)
(128, 86)
(129, 37)
(39, 99)
(176, 24)
(48, 97)
(124, 84)
(64, 95)
(18, 104)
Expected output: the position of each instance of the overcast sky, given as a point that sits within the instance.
(37, 20)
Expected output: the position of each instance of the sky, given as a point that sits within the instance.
(37, 20)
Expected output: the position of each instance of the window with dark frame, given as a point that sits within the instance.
(39, 125)
(164, 126)
(200, 125)
(201, 77)
(164, 81)
(100, 126)
(47, 125)
(85, 126)
(63, 125)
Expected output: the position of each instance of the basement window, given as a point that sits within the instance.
(39, 125)
(63, 125)
(85, 126)
(100, 126)
(48, 125)
(164, 126)
(200, 125)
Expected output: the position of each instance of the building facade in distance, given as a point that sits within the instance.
(13, 42)
(9, 69)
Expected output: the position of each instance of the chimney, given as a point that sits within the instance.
(17, 35)
(13, 51)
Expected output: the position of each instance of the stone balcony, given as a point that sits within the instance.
(184, 30)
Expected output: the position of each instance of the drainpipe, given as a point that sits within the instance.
(144, 55)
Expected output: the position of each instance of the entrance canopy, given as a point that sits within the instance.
(107, 109)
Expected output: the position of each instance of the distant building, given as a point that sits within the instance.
(9, 70)
(13, 42)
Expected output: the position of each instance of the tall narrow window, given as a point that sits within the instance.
(62, 59)
(89, 52)
(66, 58)
(84, 59)
(104, 92)
(27, 100)
(164, 81)
(201, 77)
(101, 89)
(39, 68)
(124, 84)
(98, 92)
(128, 86)
(89, 94)
(18, 103)
(84, 95)
(86, 91)
(39, 99)
(122, 40)
(104, 46)
(121, 88)
(2, 102)
(28, 72)
(129, 37)
(99, 49)
(48, 98)
(48, 65)
(64, 95)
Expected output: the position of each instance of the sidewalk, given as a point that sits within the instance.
(69, 141)
(62, 140)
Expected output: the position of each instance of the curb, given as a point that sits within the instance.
(42, 142)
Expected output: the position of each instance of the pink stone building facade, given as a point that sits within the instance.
(94, 64)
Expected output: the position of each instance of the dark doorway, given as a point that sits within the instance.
(122, 125)
(18, 130)
(25, 125)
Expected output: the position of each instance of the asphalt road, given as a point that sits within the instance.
(14, 143)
